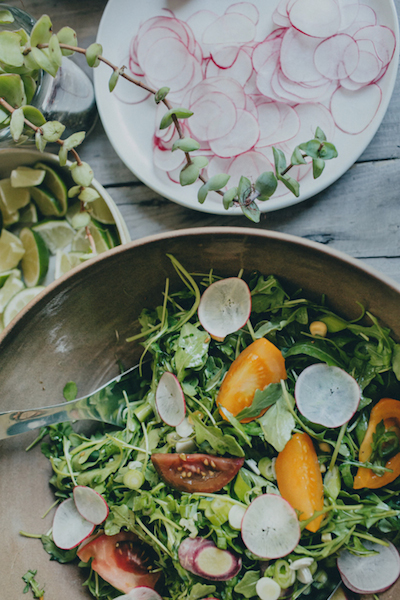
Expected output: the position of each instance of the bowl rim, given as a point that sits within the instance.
(213, 230)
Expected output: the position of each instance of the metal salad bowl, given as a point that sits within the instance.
(76, 330)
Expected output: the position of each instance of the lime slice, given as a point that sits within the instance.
(6, 274)
(65, 261)
(81, 243)
(113, 237)
(11, 250)
(100, 235)
(54, 184)
(56, 234)
(46, 201)
(28, 214)
(23, 177)
(76, 217)
(19, 302)
(100, 211)
(12, 286)
(13, 198)
(35, 262)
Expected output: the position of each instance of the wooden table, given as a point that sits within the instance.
(359, 214)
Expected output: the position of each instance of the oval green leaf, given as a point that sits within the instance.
(189, 175)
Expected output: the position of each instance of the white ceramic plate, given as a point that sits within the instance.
(131, 127)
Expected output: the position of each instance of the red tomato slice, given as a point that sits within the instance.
(196, 472)
(121, 560)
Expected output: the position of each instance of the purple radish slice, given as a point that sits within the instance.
(225, 307)
(370, 574)
(170, 401)
(203, 558)
(327, 395)
(270, 527)
(140, 593)
(69, 527)
(90, 504)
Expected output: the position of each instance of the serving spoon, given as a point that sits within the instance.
(106, 404)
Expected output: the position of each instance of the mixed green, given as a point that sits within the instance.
(117, 462)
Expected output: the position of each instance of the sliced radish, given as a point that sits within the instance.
(90, 504)
(245, 8)
(268, 589)
(140, 593)
(327, 395)
(337, 56)
(317, 18)
(170, 400)
(69, 527)
(370, 574)
(243, 136)
(185, 428)
(225, 307)
(202, 557)
(236, 514)
(354, 111)
(270, 527)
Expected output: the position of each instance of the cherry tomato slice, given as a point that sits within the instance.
(121, 560)
(257, 366)
(196, 472)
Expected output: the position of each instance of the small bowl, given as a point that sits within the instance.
(76, 330)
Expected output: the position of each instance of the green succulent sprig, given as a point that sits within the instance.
(22, 56)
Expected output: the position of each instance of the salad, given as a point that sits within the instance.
(231, 478)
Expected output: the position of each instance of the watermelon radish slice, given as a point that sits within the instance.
(225, 307)
(170, 400)
(326, 395)
(370, 574)
(140, 593)
(90, 504)
(202, 557)
(69, 527)
(270, 527)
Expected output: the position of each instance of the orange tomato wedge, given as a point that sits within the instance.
(299, 478)
(257, 366)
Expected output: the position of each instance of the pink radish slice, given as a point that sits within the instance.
(280, 16)
(202, 557)
(348, 12)
(366, 16)
(214, 116)
(317, 18)
(383, 39)
(270, 527)
(337, 56)
(69, 527)
(354, 111)
(200, 21)
(170, 401)
(140, 593)
(296, 56)
(327, 395)
(224, 85)
(370, 574)
(245, 8)
(252, 163)
(225, 56)
(311, 116)
(267, 49)
(218, 165)
(230, 29)
(368, 68)
(90, 504)
(240, 70)
(166, 160)
(242, 137)
(278, 123)
(225, 307)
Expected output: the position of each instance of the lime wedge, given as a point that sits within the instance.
(11, 250)
(113, 237)
(13, 198)
(81, 243)
(56, 234)
(28, 214)
(20, 300)
(55, 185)
(46, 201)
(65, 261)
(35, 262)
(100, 236)
(100, 211)
(6, 274)
(77, 218)
(12, 286)
(23, 177)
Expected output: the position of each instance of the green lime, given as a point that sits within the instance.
(99, 210)
(11, 250)
(6, 274)
(101, 237)
(65, 261)
(81, 243)
(19, 301)
(23, 177)
(13, 198)
(35, 262)
(56, 234)
(12, 286)
(28, 214)
(46, 201)
(113, 237)
(76, 217)
(54, 184)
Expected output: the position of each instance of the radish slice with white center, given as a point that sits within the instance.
(252, 163)
(337, 56)
(202, 557)
(170, 401)
(354, 111)
(236, 514)
(243, 136)
(270, 527)
(214, 116)
(296, 56)
(368, 68)
(383, 39)
(348, 12)
(225, 307)
(245, 8)
(188, 549)
(268, 589)
(327, 395)
(69, 527)
(317, 18)
(230, 29)
(90, 504)
(140, 593)
(370, 574)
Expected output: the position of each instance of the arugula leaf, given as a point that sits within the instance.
(278, 423)
(31, 583)
(220, 443)
(201, 590)
(247, 585)
(61, 556)
(262, 400)
(314, 350)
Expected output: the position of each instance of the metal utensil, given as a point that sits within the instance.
(106, 404)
